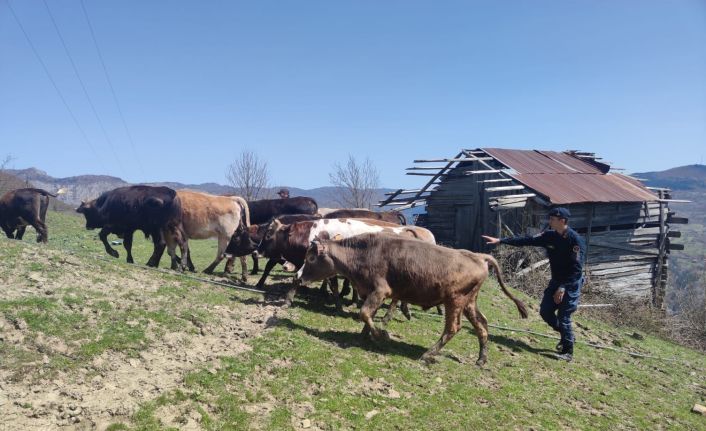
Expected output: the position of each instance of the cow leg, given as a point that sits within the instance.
(159, 245)
(222, 244)
(244, 268)
(268, 268)
(20, 232)
(438, 311)
(333, 283)
(127, 243)
(183, 243)
(390, 312)
(171, 251)
(346, 288)
(41, 228)
(103, 235)
(189, 263)
(255, 266)
(480, 324)
(404, 308)
(367, 313)
(452, 326)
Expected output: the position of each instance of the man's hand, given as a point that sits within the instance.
(558, 296)
(491, 240)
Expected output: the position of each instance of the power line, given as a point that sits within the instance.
(83, 87)
(53, 83)
(112, 90)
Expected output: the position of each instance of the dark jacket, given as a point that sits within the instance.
(565, 252)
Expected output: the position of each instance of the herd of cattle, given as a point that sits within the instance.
(377, 252)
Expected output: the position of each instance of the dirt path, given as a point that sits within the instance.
(110, 387)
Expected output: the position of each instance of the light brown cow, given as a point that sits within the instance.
(207, 216)
(384, 266)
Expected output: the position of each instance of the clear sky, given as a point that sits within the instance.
(304, 83)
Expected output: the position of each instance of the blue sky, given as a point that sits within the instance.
(304, 83)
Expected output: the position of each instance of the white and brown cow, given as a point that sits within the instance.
(207, 216)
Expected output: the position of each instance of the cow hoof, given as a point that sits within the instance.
(114, 253)
(382, 335)
(429, 359)
(243, 280)
(481, 361)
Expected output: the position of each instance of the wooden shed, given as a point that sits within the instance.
(627, 226)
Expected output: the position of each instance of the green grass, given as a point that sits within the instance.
(314, 365)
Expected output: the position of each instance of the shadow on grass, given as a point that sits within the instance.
(346, 340)
(518, 345)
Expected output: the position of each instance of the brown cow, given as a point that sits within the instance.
(388, 266)
(207, 216)
(22, 207)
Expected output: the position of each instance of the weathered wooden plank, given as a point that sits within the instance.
(463, 159)
(402, 192)
(622, 271)
(677, 220)
(673, 246)
(498, 180)
(620, 247)
(426, 175)
(503, 188)
(484, 171)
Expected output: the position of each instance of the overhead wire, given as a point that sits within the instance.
(83, 87)
(56, 87)
(112, 89)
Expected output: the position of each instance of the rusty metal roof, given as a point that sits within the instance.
(580, 188)
(541, 162)
(564, 179)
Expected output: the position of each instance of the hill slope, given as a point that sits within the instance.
(90, 341)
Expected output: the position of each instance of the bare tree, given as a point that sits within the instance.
(249, 175)
(356, 182)
(4, 163)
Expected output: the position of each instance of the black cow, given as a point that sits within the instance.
(22, 207)
(263, 211)
(124, 210)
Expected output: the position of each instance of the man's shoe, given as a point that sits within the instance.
(568, 357)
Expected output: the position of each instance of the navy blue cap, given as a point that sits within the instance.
(560, 212)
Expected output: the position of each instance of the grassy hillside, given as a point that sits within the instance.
(88, 341)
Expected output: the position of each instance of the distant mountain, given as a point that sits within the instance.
(85, 187)
(690, 177)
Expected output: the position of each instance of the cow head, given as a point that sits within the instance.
(273, 238)
(92, 214)
(318, 264)
(244, 241)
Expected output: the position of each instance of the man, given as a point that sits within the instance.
(565, 249)
(283, 193)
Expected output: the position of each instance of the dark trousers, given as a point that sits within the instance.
(558, 316)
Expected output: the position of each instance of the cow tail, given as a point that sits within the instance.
(494, 263)
(46, 193)
(402, 218)
(246, 209)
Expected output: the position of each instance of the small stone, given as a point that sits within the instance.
(306, 423)
(438, 380)
(393, 394)
(371, 414)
